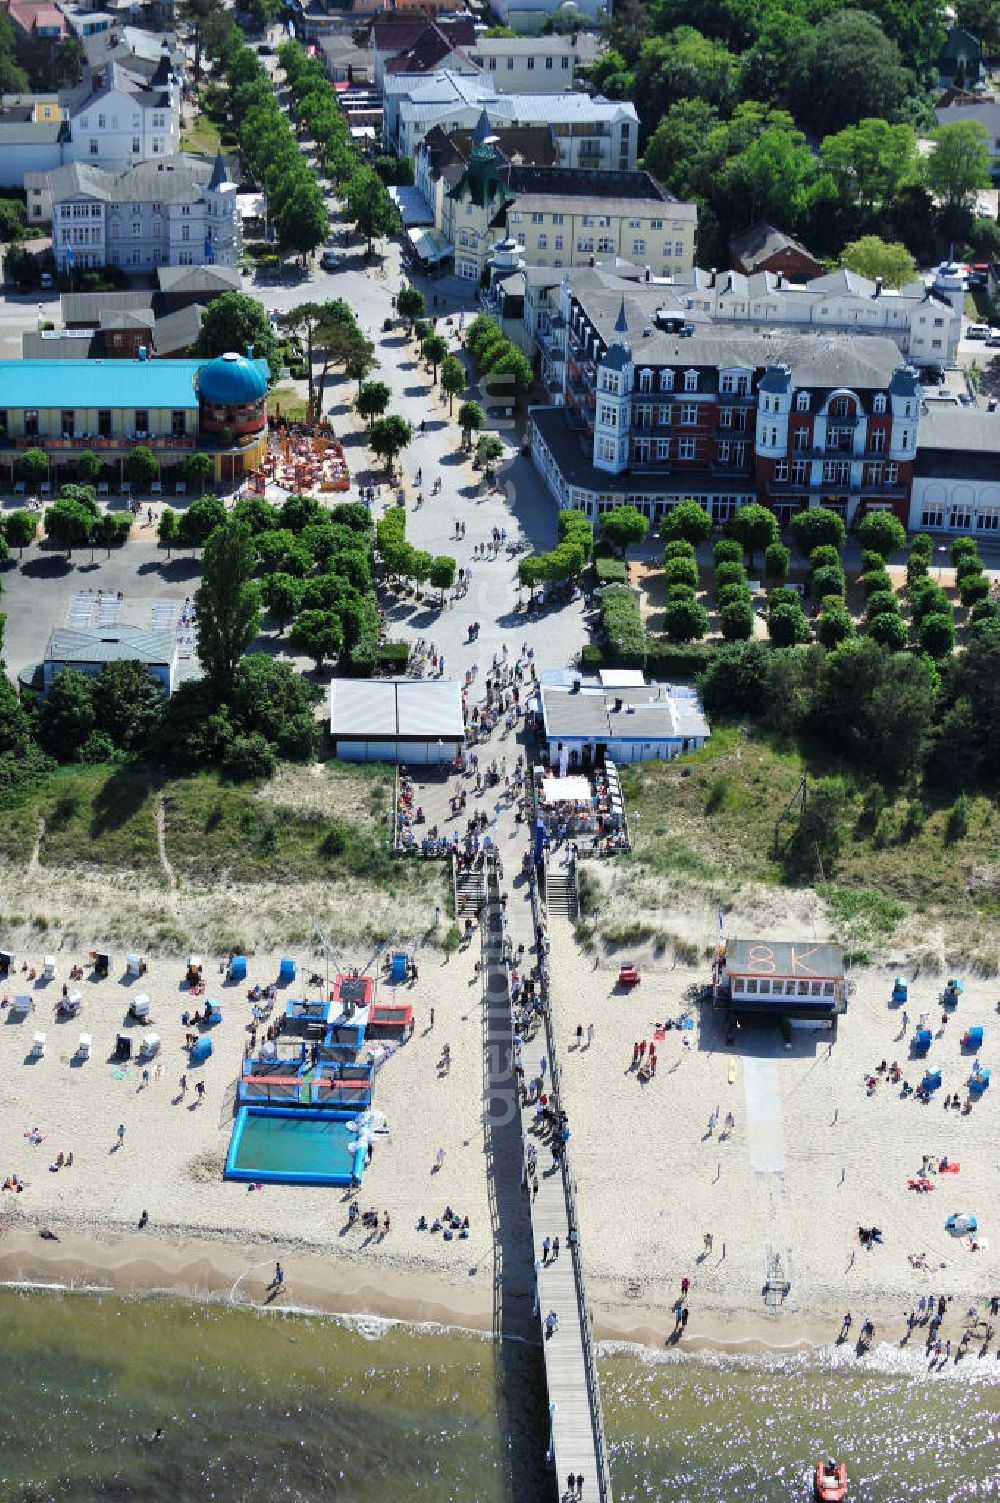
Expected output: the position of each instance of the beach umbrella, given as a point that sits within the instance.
(961, 1223)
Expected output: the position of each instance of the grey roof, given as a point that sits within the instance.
(176, 179)
(958, 443)
(89, 307)
(111, 644)
(779, 957)
(426, 99)
(127, 318)
(198, 278)
(177, 331)
(396, 710)
(31, 132)
(650, 712)
(762, 241)
(58, 344)
(621, 322)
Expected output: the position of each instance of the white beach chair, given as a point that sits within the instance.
(83, 1047)
(48, 968)
(38, 1046)
(150, 1045)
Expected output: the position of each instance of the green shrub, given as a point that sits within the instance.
(882, 603)
(973, 588)
(966, 564)
(963, 548)
(680, 592)
(777, 557)
(876, 580)
(678, 548)
(917, 567)
(958, 819)
(927, 598)
(727, 551)
(732, 594)
(737, 621)
(393, 656)
(826, 556)
(828, 581)
(922, 544)
(730, 573)
(683, 571)
(871, 562)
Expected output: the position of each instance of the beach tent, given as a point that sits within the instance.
(140, 1005)
(6, 962)
(960, 1223)
(900, 989)
(972, 1038)
(931, 1080)
(238, 968)
(49, 968)
(133, 965)
(287, 970)
(922, 1040)
(201, 1050)
(21, 1004)
(980, 1080)
(398, 972)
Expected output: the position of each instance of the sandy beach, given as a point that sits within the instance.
(651, 1180)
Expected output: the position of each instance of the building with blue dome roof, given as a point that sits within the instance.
(232, 393)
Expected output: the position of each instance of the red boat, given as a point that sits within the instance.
(831, 1481)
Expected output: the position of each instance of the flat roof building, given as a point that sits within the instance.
(418, 721)
(88, 650)
(799, 979)
(586, 723)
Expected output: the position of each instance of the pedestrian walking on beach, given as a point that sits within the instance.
(684, 1318)
(712, 1122)
(279, 1275)
(439, 1160)
(200, 1089)
(579, 1484)
(121, 1134)
(579, 1035)
(685, 1286)
(555, 1248)
(546, 1248)
(730, 1122)
(571, 1485)
(431, 1023)
(845, 1327)
(534, 1188)
(590, 1034)
(708, 1242)
(183, 1084)
(635, 1055)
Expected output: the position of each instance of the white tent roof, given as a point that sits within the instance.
(396, 709)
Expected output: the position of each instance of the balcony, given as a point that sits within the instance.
(737, 399)
(98, 444)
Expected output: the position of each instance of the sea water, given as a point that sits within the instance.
(275, 1406)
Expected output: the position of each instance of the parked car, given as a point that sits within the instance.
(978, 331)
(45, 281)
(329, 260)
(993, 338)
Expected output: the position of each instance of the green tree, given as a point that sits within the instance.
(69, 523)
(685, 621)
(282, 594)
(678, 143)
(388, 437)
(168, 529)
(434, 349)
(227, 603)
(302, 222)
(816, 841)
(817, 527)
(141, 466)
(875, 258)
(959, 163)
(684, 65)
(870, 162)
(373, 399)
(198, 468)
(622, 525)
(471, 419)
(107, 529)
(786, 625)
(34, 466)
(776, 561)
(737, 621)
(488, 450)
(368, 206)
(454, 379)
(937, 634)
(442, 573)
(88, 466)
(687, 521)
(834, 626)
(888, 630)
(755, 527)
(202, 517)
(66, 714)
(234, 322)
(510, 374)
(128, 703)
(846, 70)
(411, 303)
(876, 706)
(19, 529)
(271, 697)
(317, 634)
(881, 532)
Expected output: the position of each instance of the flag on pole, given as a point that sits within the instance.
(720, 920)
(208, 248)
(70, 258)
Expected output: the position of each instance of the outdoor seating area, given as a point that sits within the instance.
(580, 805)
(303, 462)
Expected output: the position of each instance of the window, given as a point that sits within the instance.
(678, 248)
(750, 986)
(31, 422)
(988, 520)
(686, 448)
(689, 414)
(724, 451)
(104, 423)
(142, 420)
(66, 422)
(842, 407)
(604, 222)
(878, 405)
(876, 440)
(663, 448)
(656, 224)
(557, 219)
(932, 516)
(802, 402)
(95, 149)
(586, 246)
(666, 380)
(587, 221)
(607, 415)
(609, 381)
(537, 218)
(605, 243)
(800, 439)
(136, 146)
(558, 243)
(690, 380)
(185, 210)
(765, 986)
(635, 224)
(642, 450)
(493, 64)
(607, 448)
(639, 247)
(904, 439)
(781, 469)
(185, 232)
(510, 65)
(565, 63)
(800, 472)
(548, 64)
(178, 424)
(136, 227)
(531, 64)
(725, 417)
(102, 122)
(892, 474)
(543, 242)
(645, 381)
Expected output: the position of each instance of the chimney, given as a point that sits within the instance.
(878, 286)
(778, 279)
(249, 351)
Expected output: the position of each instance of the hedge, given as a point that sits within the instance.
(393, 655)
(611, 571)
(661, 660)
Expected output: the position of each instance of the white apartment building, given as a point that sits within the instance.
(526, 65)
(923, 318)
(588, 132)
(179, 211)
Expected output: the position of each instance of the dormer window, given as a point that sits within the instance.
(802, 402)
(645, 381)
(690, 380)
(878, 405)
(666, 380)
